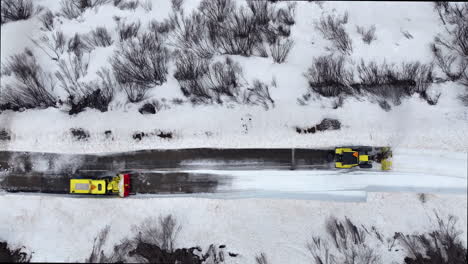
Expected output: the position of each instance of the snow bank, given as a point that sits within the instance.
(286, 225)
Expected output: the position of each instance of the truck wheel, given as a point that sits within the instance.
(364, 149)
(365, 166)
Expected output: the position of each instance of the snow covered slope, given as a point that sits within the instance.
(279, 228)
(412, 124)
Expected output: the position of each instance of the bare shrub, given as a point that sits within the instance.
(128, 31)
(99, 37)
(177, 5)
(280, 49)
(225, 79)
(47, 20)
(72, 9)
(95, 94)
(394, 82)
(204, 83)
(261, 259)
(77, 46)
(69, 9)
(259, 94)
(53, 46)
(349, 245)
(262, 11)
(237, 34)
(452, 65)
(14, 10)
(328, 76)
(161, 232)
(332, 29)
(128, 4)
(97, 253)
(190, 70)
(286, 16)
(71, 70)
(190, 35)
(13, 255)
(450, 49)
(147, 5)
(141, 61)
(32, 87)
(441, 246)
(368, 35)
(162, 28)
(406, 34)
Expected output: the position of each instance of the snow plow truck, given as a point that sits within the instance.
(363, 157)
(119, 184)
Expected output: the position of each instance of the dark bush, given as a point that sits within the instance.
(14, 10)
(47, 20)
(332, 29)
(99, 37)
(142, 62)
(53, 46)
(71, 70)
(451, 48)
(97, 253)
(79, 133)
(177, 5)
(280, 49)
(72, 9)
(165, 135)
(204, 83)
(328, 124)
(190, 72)
(441, 246)
(191, 35)
(286, 16)
(32, 87)
(240, 34)
(349, 242)
(389, 81)
(261, 259)
(128, 31)
(162, 28)
(406, 34)
(4, 135)
(127, 4)
(368, 35)
(96, 99)
(328, 76)
(13, 255)
(259, 94)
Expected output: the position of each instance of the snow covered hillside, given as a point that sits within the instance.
(287, 226)
(376, 67)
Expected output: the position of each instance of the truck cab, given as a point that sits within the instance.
(346, 158)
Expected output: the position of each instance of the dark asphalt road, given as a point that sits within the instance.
(153, 171)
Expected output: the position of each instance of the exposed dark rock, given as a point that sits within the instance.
(328, 124)
(147, 109)
(79, 133)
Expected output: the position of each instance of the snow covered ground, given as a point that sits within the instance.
(63, 229)
(413, 124)
(429, 141)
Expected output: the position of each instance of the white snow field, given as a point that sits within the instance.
(63, 229)
(275, 212)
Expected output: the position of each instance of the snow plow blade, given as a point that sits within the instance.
(124, 185)
(385, 158)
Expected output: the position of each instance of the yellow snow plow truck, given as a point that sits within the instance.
(119, 184)
(349, 157)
